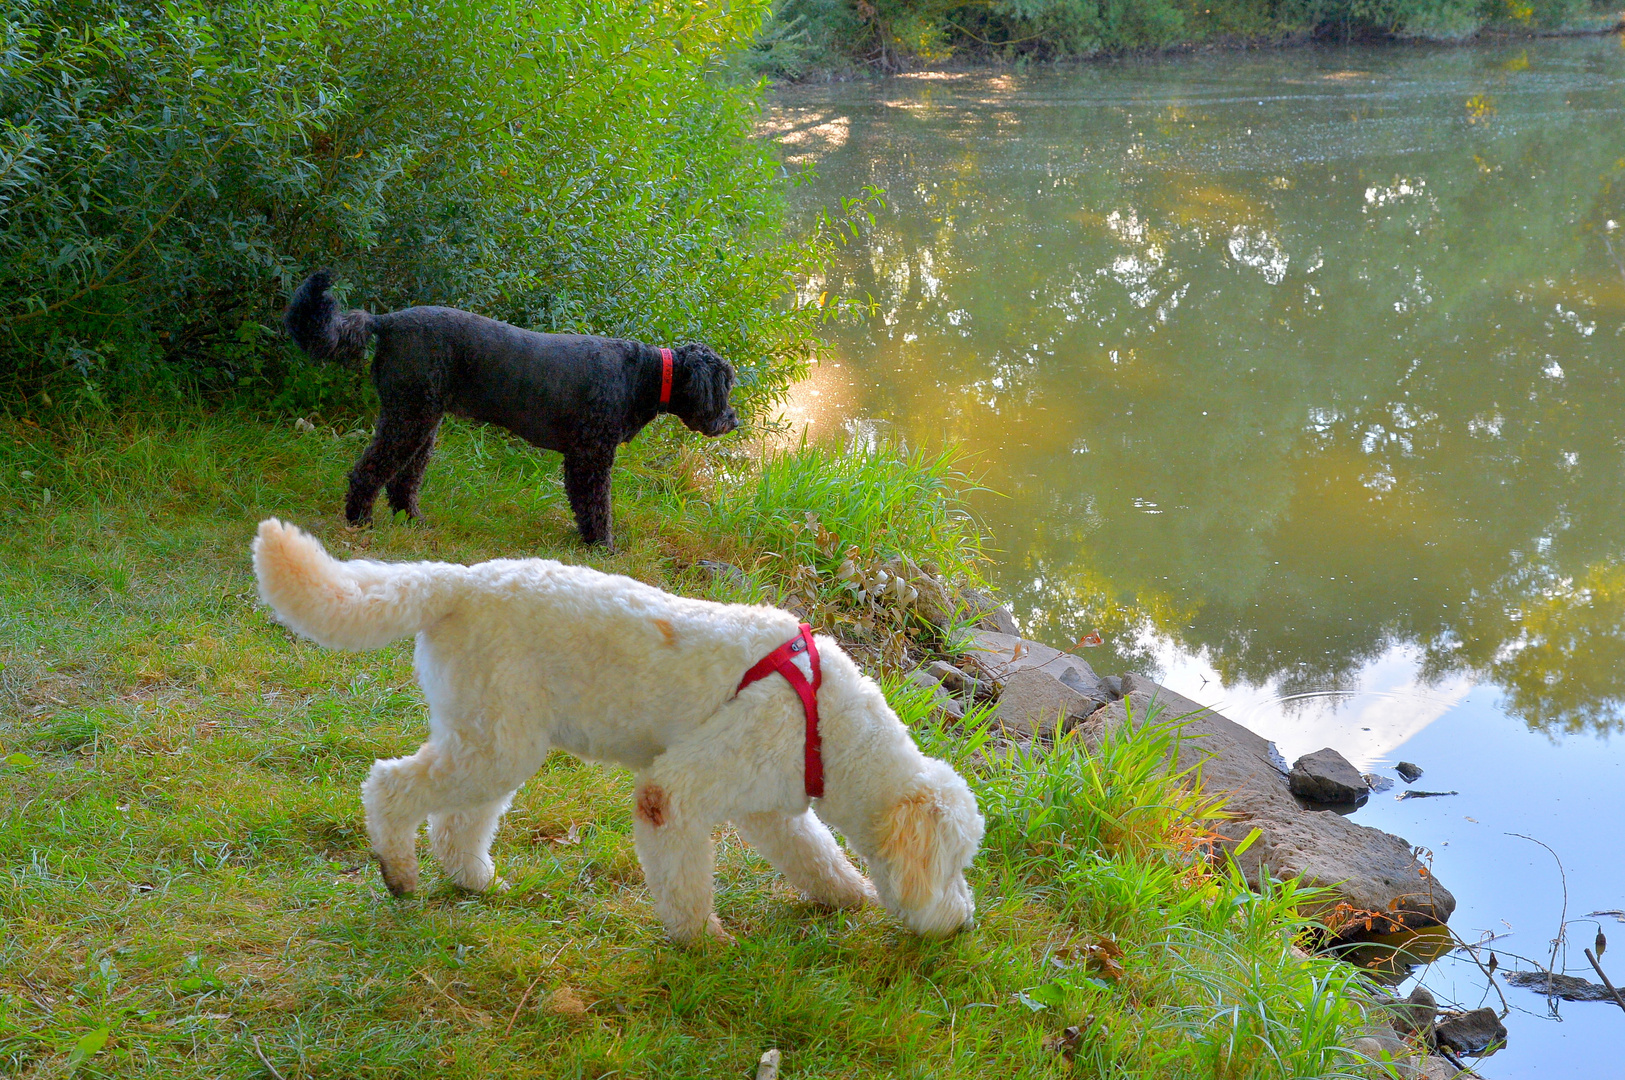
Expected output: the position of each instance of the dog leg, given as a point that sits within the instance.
(803, 849)
(393, 799)
(678, 863)
(403, 488)
(463, 789)
(586, 482)
(461, 840)
(401, 433)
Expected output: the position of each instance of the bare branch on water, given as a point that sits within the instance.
(1604, 977)
(1563, 917)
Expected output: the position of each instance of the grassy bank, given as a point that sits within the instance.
(187, 892)
(823, 38)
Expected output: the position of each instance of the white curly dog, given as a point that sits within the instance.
(517, 657)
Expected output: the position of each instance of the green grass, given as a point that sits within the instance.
(184, 879)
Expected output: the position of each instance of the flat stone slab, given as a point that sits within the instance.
(1034, 702)
(1002, 655)
(1372, 871)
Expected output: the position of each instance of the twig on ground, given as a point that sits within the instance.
(1598, 969)
(526, 995)
(768, 1067)
(522, 999)
(265, 1060)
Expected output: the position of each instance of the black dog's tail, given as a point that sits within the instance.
(317, 326)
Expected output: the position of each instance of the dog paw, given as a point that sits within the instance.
(400, 881)
(715, 932)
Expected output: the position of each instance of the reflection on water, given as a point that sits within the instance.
(1280, 359)
(1382, 707)
(1299, 378)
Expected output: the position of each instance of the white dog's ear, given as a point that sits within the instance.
(909, 844)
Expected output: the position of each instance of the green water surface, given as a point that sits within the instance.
(1298, 373)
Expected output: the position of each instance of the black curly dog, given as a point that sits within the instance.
(582, 396)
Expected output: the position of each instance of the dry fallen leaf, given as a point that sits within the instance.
(566, 1002)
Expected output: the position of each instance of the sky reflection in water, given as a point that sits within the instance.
(1297, 376)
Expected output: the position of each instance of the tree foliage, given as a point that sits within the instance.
(804, 35)
(169, 170)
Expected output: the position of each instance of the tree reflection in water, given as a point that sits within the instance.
(1283, 363)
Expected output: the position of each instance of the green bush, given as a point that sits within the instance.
(805, 36)
(169, 171)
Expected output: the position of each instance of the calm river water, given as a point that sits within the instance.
(1297, 376)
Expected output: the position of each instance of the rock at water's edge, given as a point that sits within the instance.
(1000, 656)
(1034, 702)
(1372, 871)
(991, 615)
(1327, 777)
(1471, 1032)
(1415, 1014)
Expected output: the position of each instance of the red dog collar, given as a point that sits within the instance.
(782, 660)
(665, 376)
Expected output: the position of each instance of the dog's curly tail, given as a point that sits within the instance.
(317, 326)
(348, 605)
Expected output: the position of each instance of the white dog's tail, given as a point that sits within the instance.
(348, 605)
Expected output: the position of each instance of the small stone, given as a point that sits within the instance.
(1415, 1014)
(1326, 777)
(724, 571)
(1082, 678)
(1437, 1068)
(939, 696)
(1380, 1048)
(1408, 772)
(1471, 1032)
(1375, 782)
(946, 674)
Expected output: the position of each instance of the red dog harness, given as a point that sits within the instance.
(665, 376)
(782, 660)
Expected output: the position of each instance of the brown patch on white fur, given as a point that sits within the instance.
(907, 844)
(652, 805)
(667, 631)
